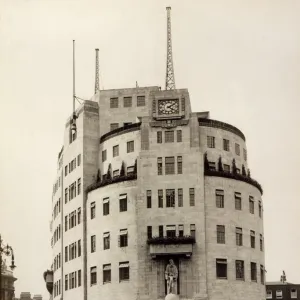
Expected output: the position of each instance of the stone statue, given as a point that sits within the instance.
(171, 275)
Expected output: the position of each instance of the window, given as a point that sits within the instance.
(123, 238)
(237, 149)
(210, 141)
(293, 294)
(160, 198)
(170, 165)
(170, 198)
(180, 198)
(238, 201)
(66, 223)
(93, 243)
(104, 157)
(220, 234)
(179, 136)
(226, 144)
(66, 282)
(140, 101)
(245, 154)
(79, 247)
(159, 137)
(127, 101)
(107, 273)
(226, 168)
(252, 239)
(251, 205)
(212, 166)
(93, 210)
(261, 242)
(130, 146)
(66, 253)
(149, 232)
(106, 241)
(115, 150)
(79, 186)
(124, 271)
(123, 202)
(159, 166)
(114, 126)
(66, 170)
(66, 195)
(115, 173)
(279, 294)
(160, 230)
(149, 199)
(93, 275)
(253, 271)
(193, 230)
(105, 206)
(130, 170)
(221, 268)
(114, 102)
(239, 270)
(192, 196)
(79, 215)
(169, 136)
(269, 294)
(171, 230)
(79, 277)
(239, 236)
(179, 164)
(220, 198)
(259, 209)
(78, 162)
(180, 230)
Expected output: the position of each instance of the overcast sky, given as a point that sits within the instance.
(239, 59)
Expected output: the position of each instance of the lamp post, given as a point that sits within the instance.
(8, 251)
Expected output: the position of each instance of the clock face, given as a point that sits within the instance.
(168, 107)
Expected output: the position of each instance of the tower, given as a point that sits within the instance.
(170, 78)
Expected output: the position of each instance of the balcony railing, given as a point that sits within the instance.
(175, 240)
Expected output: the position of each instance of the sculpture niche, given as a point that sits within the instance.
(171, 275)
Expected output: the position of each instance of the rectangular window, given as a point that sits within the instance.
(93, 275)
(123, 238)
(170, 165)
(140, 101)
(251, 205)
(149, 232)
(66, 282)
(169, 136)
(269, 294)
(237, 149)
(245, 154)
(66, 170)
(78, 162)
(124, 271)
(252, 239)
(259, 209)
(226, 168)
(253, 271)
(193, 230)
(93, 243)
(221, 268)
(130, 146)
(294, 294)
(239, 236)
(79, 277)
(160, 230)
(79, 186)
(114, 126)
(123, 202)
(66, 223)
(66, 195)
(180, 198)
(79, 215)
(160, 198)
(115, 150)
(114, 102)
(279, 294)
(210, 141)
(130, 170)
(192, 196)
(107, 273)
(170, 198)
(179, 164)
(179, 136)
(127, 101)
(262, 274)
(79, 247)
(239, 270)
(171, 230)
(159, 137)
(220, 234)
(105, 206)
(93, 210)
(106, 241)
(180, 230)
(159, 166)
(220, 198)
(226, 145)
(149, 199)
(261, 242)
(238, 201)
(104, 157)
(66, 253)
(115, 173)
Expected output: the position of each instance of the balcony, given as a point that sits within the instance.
(177, 245)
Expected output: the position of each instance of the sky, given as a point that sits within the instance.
(239, 59)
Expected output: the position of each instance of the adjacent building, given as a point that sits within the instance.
(282, 290)
(7, 283)
(27, 296)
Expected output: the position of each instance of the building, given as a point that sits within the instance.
(27, 296)
(7, 283)
(143, 184)
(284, 291)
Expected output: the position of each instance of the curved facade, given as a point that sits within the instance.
(146, 180)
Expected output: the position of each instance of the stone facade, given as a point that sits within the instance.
(164, 216)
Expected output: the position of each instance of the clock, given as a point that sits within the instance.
(168, 107)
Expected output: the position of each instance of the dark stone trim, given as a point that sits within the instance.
(239, 177)
(221, 125)
(119, 131)
(176, 240)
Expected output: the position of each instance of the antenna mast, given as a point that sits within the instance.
(73, 126)
(97, 84)
(170, 79)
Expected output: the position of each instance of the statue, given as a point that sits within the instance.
(171, 275)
